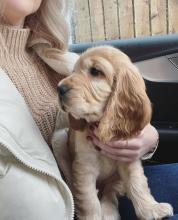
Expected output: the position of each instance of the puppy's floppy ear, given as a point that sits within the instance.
(128, 109)
(77, 124)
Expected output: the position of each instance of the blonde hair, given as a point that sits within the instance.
(50, 34)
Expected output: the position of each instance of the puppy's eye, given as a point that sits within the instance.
(95, 72)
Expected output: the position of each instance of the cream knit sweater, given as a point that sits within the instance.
(33, 79)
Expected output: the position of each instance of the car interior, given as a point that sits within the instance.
(157, 59)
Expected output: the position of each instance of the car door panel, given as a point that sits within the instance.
(137, 48)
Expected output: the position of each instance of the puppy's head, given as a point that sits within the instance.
(106, 88)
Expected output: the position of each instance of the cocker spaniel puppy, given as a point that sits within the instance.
(106, 90)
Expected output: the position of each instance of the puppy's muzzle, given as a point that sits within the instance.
(62, 90)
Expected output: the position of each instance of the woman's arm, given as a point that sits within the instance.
(141, 146)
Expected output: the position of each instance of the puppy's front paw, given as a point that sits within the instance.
(109, 211)
(157, 211)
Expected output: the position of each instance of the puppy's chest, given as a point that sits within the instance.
(105, 166)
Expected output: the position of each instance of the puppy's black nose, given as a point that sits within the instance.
(62, 89)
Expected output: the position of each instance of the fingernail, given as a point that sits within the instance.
(97, 148)
(89, 138)
(96, 124)
(91, 127)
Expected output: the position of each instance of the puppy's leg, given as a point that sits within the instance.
(109, 200)
(85, 172)
(109, 207)
(138, 191)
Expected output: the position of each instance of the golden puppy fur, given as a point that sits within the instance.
(105, 89)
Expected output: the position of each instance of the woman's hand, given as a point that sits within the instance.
(130, 150)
